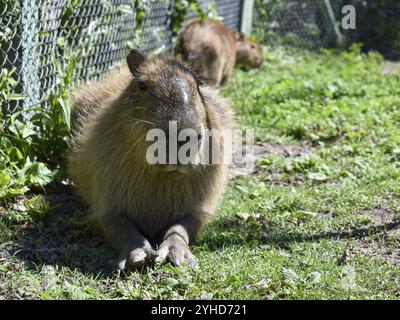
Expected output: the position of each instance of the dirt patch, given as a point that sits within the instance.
(251, 155)
(384, 245)
(379, 215)
(389, 68)
(243, 217)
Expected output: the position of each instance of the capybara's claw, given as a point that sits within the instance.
(137, 258)
(177, 252)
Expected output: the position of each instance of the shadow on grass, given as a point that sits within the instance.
(66, 238)
(218, 235)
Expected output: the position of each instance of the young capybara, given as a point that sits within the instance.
(142, 206)
(212, 50)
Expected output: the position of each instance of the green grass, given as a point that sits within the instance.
(321, 224)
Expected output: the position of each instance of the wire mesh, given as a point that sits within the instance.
(315, 24)
(51, 43)
(229, 12)
(303, 23)
(157, 26)
(54, 40)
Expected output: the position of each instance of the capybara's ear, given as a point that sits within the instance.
(239, 36)
(135, 58)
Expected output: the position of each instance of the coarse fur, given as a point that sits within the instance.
(212, 49)
(107, 160)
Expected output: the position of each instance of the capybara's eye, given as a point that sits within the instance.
(142, 86)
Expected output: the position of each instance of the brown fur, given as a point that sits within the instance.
(134, 202)
(213, 50)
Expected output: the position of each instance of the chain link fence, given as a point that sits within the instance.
(45, 45)
(227, 11)
(304, 23)
(315, 24)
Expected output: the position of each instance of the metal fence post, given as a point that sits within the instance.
(246, 19)
(30, 59)
(327, 8)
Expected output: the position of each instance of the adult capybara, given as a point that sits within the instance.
(212, 50)
(137, 204)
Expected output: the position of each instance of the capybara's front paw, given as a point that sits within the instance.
(177, 251)
(133, 257)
